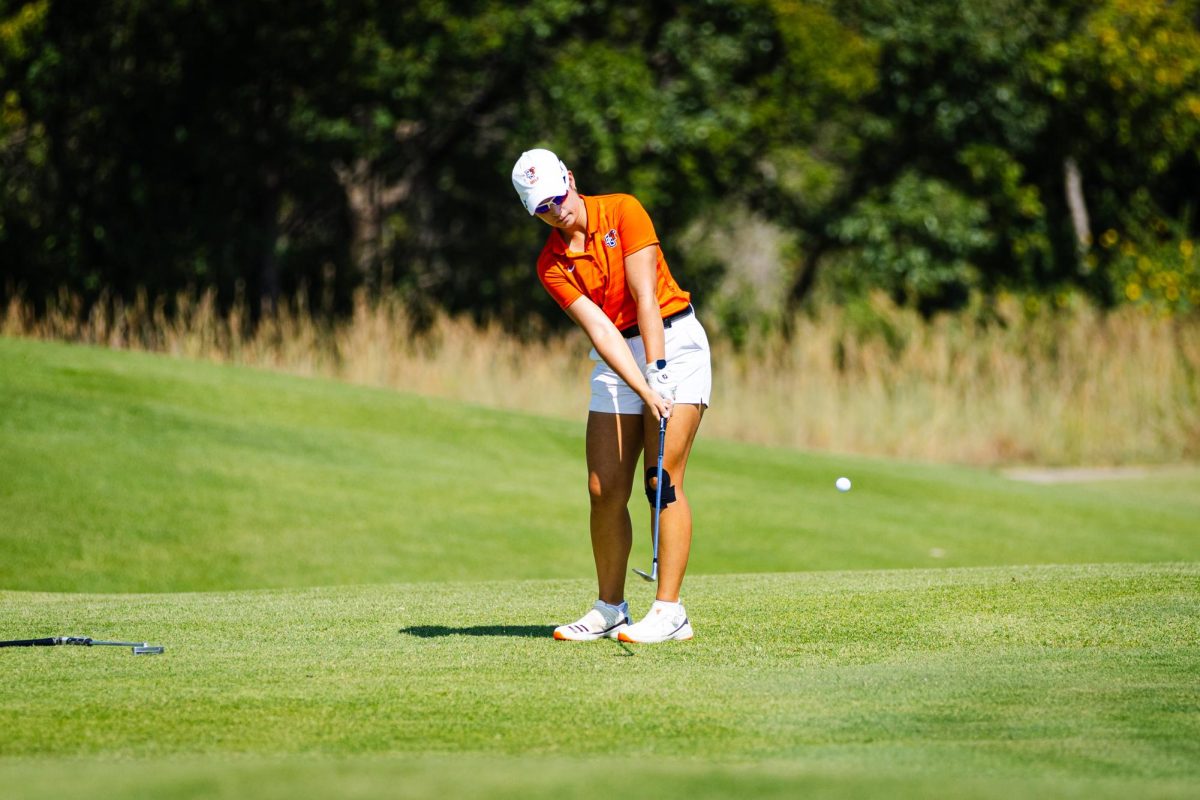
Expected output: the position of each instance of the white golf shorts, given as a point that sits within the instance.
(688, 362)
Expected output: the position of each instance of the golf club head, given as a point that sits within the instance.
(147, 650)
(651, 576)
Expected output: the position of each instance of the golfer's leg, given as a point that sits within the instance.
(614, 442)
(675, 522)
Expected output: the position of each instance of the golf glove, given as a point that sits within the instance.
(661, 380)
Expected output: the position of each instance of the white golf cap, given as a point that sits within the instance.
(537, 175)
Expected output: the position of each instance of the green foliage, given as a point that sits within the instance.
(343, 145)
(1130, 77)
(1010, 91)
(808, 118)
(605, 95)
(172, 155)
(1018, 215)
(22, 142)
(1125, 87)
(1156, 269)
(954, 105)
(835, 61)
(917, 239)
(19, 30)
(950, 72)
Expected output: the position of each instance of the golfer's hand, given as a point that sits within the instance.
(662, 390)
(661, 380)
(659, 406)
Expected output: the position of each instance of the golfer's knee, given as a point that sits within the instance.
(607, 491)
(668, 490)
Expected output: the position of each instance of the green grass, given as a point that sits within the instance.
(356, 590)
(1067, 679)
(134, 472)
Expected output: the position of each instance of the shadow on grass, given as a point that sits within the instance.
(520, 631)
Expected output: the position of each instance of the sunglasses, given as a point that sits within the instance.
(553, 201)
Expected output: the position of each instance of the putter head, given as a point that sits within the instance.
(147, 650)
(651, 576)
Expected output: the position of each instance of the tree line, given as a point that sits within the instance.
(929, 148)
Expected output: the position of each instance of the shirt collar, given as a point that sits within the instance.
(593, 224)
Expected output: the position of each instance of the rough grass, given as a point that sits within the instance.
(134, 472)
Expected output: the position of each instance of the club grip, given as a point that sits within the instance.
(47, 642)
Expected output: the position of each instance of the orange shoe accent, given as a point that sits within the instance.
(621, 637)
(559, 636)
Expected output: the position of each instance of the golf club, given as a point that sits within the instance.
(662, 438)
(137, 648)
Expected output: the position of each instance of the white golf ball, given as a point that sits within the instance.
(842, 484)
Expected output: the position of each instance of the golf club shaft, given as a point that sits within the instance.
(652, 575)
(662, 438)
(81, 641)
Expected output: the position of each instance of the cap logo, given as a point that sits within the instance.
(531, 175)
(610, 238)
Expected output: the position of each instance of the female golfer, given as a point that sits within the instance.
(603, 266)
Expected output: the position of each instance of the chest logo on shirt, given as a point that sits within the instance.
(610, 238)
(570, 267)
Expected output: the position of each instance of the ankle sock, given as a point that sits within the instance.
(621, 610)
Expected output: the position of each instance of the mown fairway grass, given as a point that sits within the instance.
(1063, 679)
(356, 591)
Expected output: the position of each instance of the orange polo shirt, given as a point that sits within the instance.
(617, 225)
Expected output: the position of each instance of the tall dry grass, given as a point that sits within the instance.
(1073, 386)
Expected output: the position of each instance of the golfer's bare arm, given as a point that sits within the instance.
(641, 278)
(609, 344)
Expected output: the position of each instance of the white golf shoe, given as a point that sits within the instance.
(664, 622)
(602, 622)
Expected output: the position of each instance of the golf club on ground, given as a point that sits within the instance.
(137, 648)
(662, 438)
